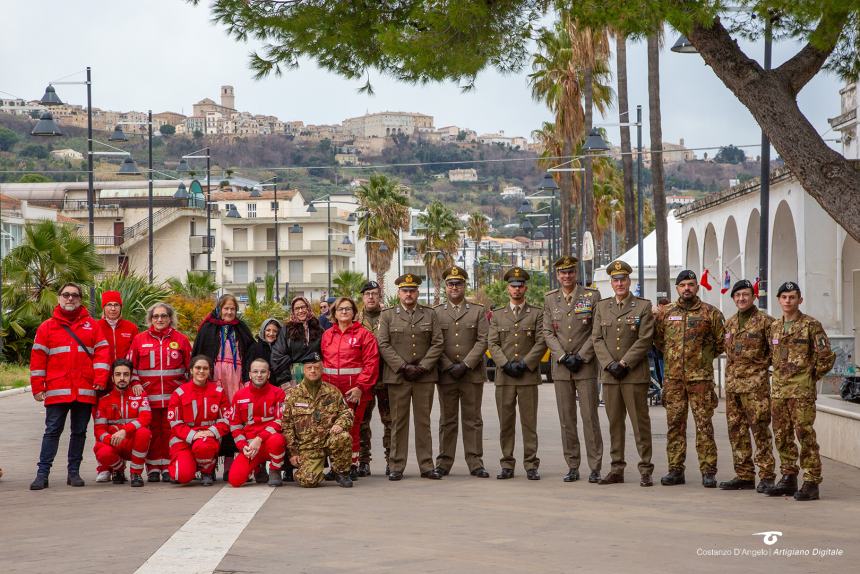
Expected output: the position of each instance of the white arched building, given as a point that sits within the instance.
(721, 232)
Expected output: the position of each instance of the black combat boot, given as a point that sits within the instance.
(275, 477)
(343, 479)
(786, 486)
(136, 480)
(75, 480)
(709, 480)
(737, 484)
(674, 477)
(40, 482)
(118, 477)
(153, 476)
(363, 469)
(353, 472)
(809, 491)
(764, 485)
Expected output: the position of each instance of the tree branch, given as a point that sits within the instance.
(797, 71)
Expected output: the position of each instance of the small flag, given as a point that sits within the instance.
(727, 283)
(704, 281)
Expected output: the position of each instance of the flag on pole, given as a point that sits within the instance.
(727, 282)
(704, 281)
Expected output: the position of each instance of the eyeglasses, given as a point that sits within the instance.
(455, 283)
(344, 309)
(300, 308)
(70, 295)
(160, 316)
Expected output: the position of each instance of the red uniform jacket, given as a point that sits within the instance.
(350, 358)
(61, 368)
(194, 408)
(256, 413)
(121, 410)
(119, 338)
(160, 362)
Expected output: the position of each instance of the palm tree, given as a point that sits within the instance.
(348, 283)
(385, 212)
(440, 231)
(137, 294)
(657, 191)
(476, 228)
(626, 147)
(198, 285)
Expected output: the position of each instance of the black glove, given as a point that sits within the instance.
(457, 370)
(522, 368)
(573, 362)
(511, 368)
(617, 370)
(410, 372)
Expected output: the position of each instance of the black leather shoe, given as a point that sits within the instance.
(786, 486)
(646, 480)
(709, 480)
(165, 476)
(207, 479)
(330, 475)
(532, 474)
(343, 480)
(40, 483)
(612, 478)
(275, 478)
(288, 475)
(363, 469)
(764, 485)
(118, 478)
(442, 471)
(673, 478)
(480, 473)
(260, 475)
(153, 476)
(395, 475)
(737, 484)
(571, 476)
(505, 474)
(431, 474)
(136, 480)
(808, 491)
(353, 473)
(75, 480)
(594, 477)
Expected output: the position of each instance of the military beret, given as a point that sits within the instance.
(618, 268)
(369, 285)
(685, 275)
(566, 262)
(455, 272)
(516, 275)
(788, 286)
(742, 284)
(312, 358)
(408, 280)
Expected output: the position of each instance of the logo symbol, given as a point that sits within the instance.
(770, 537)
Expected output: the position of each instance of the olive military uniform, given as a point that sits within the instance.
(623, 332)
(414, 338)
(464, 332)
(748, 392)
(690, 335)
(801, 355)
(378, 398)
(517, 335)
(567, 325)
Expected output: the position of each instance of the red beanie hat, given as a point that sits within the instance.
(111, 297)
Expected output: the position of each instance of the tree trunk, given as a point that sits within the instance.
(658, 193)
(626, 156)
(380, 278)
(771, 98)
(587, 215)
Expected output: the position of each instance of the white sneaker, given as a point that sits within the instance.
(103, 476)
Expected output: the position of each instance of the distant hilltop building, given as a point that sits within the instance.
(460, 175)
(513, 191)
(672, 153)
(500, 138)
(385, 124)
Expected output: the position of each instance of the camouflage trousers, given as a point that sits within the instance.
(702, 400)
(750, 413)
(378, 397)
(795, 417)
(310, 471)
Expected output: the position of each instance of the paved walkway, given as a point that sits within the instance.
(459, 524)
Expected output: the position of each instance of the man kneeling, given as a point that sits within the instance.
(316, 424)
(255, 422)
(121, 427)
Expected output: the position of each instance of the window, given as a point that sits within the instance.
(13, 234)
(274, 206)
(297, 271)
(240, 271)
(252, 210)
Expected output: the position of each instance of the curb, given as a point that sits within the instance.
(13, 392)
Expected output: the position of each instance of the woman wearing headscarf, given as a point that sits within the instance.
(298, 340)
(262, 347)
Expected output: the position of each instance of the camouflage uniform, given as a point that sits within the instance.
(748, 393)
(801, 356)
(307, 423)
(378, 397)
(690, 336)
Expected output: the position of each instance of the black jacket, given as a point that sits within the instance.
(291, 348)
(208, 342)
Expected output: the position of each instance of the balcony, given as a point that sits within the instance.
(305, 249)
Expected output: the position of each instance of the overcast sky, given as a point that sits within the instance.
(166, 55)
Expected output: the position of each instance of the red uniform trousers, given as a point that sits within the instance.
(186, 459)
(159, 454)
(273, 449)
(133, 448)
(355, 431)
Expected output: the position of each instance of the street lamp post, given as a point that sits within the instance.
(549, 184)
(207, 156)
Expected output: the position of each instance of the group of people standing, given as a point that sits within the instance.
(303, 393)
